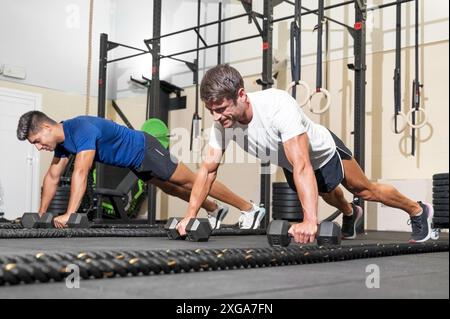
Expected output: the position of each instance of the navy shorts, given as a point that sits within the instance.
(157, 162)
(330, 175)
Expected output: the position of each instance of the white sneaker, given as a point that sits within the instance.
(252, 219)
(216, 217)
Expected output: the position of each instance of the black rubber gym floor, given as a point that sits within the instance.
(407, 276)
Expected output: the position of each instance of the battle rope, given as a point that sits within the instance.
(96, 265)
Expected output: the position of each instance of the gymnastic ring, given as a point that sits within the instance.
(420, 125)
(326, 107)
(305, 86)
(405, 123)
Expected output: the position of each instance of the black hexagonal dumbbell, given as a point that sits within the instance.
(29, 220)
(171, 229)
(33, 220)
(78, 221)
(46, 221)
(329, 233)
(197, 229)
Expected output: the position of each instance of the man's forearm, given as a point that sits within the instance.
(200, 191)
(48, 192)
(306, 185)
(77, 190)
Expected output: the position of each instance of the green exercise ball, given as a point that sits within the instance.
(158, 129)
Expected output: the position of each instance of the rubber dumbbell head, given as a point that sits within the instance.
(29, 220)
(46, 221)
(277, 233)
(78, 221)
(171, 229)
(329, 233)
(198, 229)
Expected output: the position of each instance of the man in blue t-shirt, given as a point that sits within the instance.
(97, 139)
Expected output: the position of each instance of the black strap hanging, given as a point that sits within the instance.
(319, 68)
(320, 14)
(296, 57)
(416, 84)
(196, 119)
(398, 67)
(296, 61)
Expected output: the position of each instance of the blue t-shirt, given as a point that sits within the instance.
(114, 144)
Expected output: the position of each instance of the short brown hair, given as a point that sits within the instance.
(221, 82)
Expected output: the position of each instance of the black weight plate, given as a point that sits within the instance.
(278, 197)
(59, 203)
(281, 186)
(288, 216)
(440, 176)
(441, 213)
(63, 190)
(440, 220)
(287, 203)
(286, 210)
(440, 201)
(61, 196)
(284, 191)
(440, 195)
(56, 210)
(440, 207)
(60, 200)
(62, 193)
(437, 189)
(440, 182)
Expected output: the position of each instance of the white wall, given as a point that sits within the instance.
(50, 39)
(381, 31)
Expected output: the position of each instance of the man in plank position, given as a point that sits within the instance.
(96, 139)
(314, 160)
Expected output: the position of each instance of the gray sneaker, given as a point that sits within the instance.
(215, 218)
(421, 225)
(349, 223)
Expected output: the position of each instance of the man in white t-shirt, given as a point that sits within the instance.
(313, 159)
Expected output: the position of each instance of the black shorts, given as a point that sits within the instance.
(157, 162)
(330, 175)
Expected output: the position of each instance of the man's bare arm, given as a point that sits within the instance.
(51, 180)
(83, 163)
(297, 152)
(203, 183)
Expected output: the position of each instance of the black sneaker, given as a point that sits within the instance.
(349, 223)
(421, 225)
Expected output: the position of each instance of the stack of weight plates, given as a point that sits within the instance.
(60, 201)
(285, 204)
(440, 200)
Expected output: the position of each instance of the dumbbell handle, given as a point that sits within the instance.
(278, 233)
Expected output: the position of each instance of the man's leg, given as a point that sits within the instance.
(336, 199)
(352, 213)
(358, 184)
(184, 177)
(181, 192)
(421, 214)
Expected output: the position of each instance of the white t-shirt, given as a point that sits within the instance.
(277, 118)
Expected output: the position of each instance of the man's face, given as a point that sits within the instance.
(227, 113)
(44, 140)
